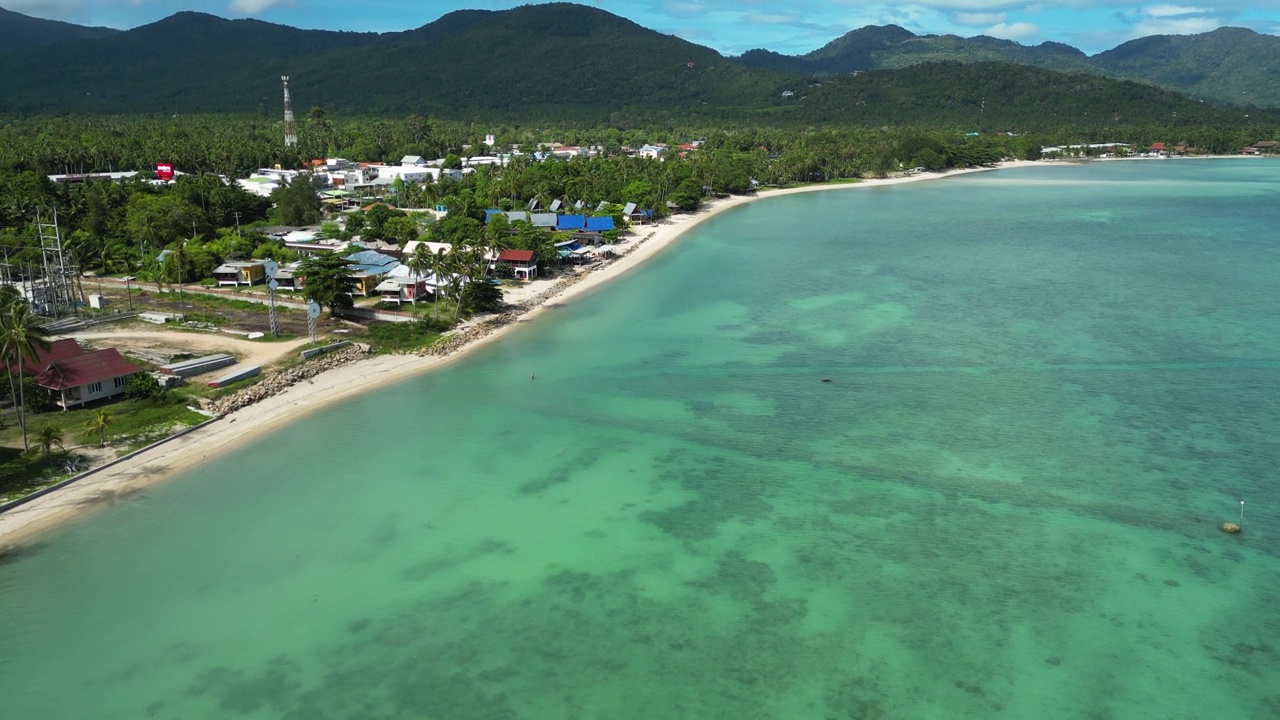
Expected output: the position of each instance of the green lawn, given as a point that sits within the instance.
(24, 473)
(134, 423)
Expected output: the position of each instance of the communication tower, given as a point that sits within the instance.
(56, 293)
(290, 132)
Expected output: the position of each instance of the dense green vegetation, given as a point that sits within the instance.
(22, 31)
(511, 66)
(1227, 65)
(123, 227)
(467, 64)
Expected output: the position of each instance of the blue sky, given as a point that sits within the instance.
(733, 26)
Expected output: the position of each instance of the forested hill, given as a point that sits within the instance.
(531, 61)
(988, 97)
(556, 62)
(21, 31)
(1232, 65)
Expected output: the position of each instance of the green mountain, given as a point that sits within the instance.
(993, 97)
(1232, 65)
(558, 60)
(21, 31)
(554, 62)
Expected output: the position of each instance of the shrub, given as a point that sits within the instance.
(481, 297)
(38, 399)
(143, 386)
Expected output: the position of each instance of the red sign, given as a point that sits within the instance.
(164, 171)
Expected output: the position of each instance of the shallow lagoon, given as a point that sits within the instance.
(1047, 387)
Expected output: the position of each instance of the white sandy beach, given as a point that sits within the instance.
(127, 478)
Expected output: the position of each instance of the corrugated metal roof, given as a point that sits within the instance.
(599, 224)
(58, 350)
(371, 261)
(515, 256)
(84, 369)
(571, 222)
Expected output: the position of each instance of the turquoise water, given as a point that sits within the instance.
(1047, 388)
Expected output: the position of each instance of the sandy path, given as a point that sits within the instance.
(132, 476)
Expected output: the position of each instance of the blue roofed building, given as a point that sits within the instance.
(599, 224)
(571, 223)
(368, 267)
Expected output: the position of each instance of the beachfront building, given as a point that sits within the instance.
(571, 223)
(249, 272)
(368, 268)
(58, 350)
(401, 285)
(521, 262)
(86, 378)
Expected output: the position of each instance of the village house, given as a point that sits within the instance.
(401, 285)
(287, 277)
(87, 377)
(521, 262)
(58, 350)
(249, 272)
(368, 267)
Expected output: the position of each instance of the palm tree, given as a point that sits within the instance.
(50, 435)
(21, 340)
(439, 266)
(99, 423)
(419, 264)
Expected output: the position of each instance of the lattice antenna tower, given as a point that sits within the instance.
(57, 292)
(290, 132)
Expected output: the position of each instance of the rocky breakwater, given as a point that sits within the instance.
(463, 337)
(278, 382)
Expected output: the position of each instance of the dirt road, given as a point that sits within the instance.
(249, 352)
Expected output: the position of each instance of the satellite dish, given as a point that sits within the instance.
(272, 267)
(273, 284)
(313, 310)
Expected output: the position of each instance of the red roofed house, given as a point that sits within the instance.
(520, 261)
(58, 350)
(87, 377)
(1159, 148)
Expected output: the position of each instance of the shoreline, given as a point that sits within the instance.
(127, 478)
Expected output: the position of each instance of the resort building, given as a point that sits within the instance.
(521, 262)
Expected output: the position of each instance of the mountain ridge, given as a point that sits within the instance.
(1245, 62)
(23, 31)
(557, 60)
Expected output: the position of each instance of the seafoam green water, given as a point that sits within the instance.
(1047, 388)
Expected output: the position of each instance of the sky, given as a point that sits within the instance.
(734, 26)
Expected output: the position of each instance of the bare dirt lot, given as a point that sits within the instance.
(214, 324)
(132, 340)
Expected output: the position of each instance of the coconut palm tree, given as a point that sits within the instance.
(99, 423)
(21, 340)
(419, 264)
(50, 435)
(440, 265)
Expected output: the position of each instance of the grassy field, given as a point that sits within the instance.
(133, 424)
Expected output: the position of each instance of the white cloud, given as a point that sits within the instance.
(978, 19)
(252, 7)
(1175, 26)
(1013, 31)
(1170, 11)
